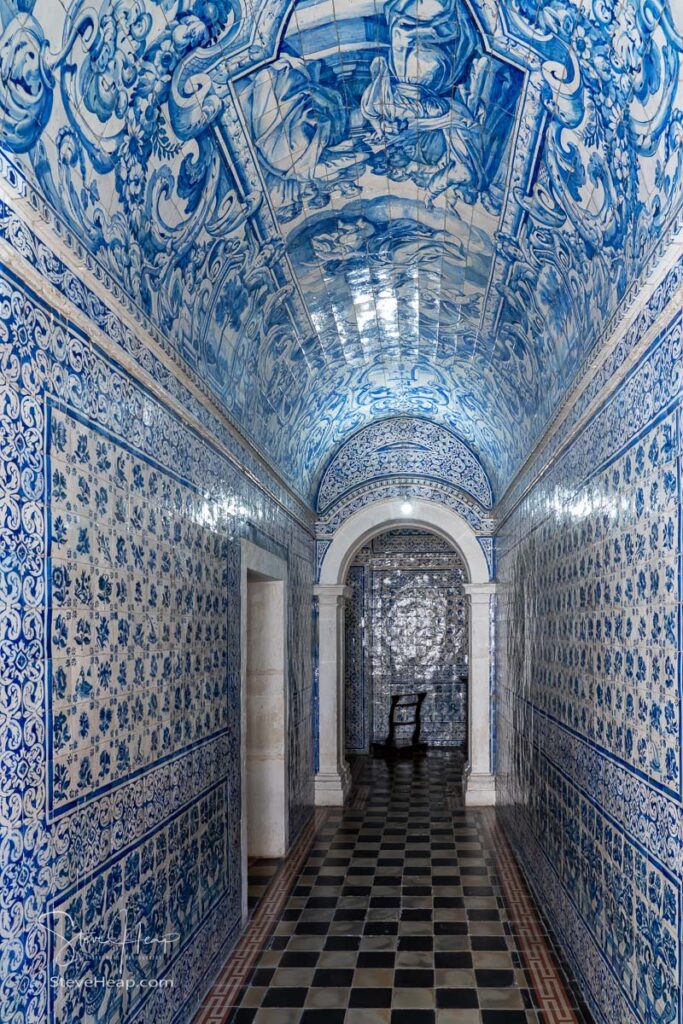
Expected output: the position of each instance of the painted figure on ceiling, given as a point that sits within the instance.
(299, 128)
(431, 104)
(432, 109)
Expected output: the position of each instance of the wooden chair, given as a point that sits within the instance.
(399, 703)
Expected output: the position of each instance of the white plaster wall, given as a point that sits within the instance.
(265, 797)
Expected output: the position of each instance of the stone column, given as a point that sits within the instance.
(333, 780)
(480, 788)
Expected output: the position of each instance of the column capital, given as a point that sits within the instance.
(479, 591)
(331, 593)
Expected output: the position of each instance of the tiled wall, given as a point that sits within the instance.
(589, 682)
(406, 631)
(120, 529)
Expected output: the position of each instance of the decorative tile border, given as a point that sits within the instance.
(400, 487)
(590, 677)
(613, 359)
(552, 996)
(402, 446)
(46, 360)
(96, 311)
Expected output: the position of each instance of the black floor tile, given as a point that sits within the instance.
(241, 1015)
(457, 998)
(409, 978)
(488, 944)
(376, 960)
(494, 979)
(332, 978)
(323, 1017)
(370, 998)
(261, 978)
(504, 1017)
(453, 960)
(417, 943)
(412, 1017)
(300, 959)
(277, 996)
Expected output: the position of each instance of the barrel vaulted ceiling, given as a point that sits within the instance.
(338, 211)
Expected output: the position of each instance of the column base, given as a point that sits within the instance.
(480, 791)
(332, 788)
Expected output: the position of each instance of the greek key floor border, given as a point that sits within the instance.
(233, 976)
(552, 993)
(555, 998)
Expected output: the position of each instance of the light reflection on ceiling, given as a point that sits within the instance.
(338, 213)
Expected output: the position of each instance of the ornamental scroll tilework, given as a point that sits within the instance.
(398, 487)
(114, 794)
(153, 897)
(402, 446)
(589, 729)
(406, 631)
(628, 901)
(461, 225)
(404, 456)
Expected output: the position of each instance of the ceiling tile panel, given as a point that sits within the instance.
(338, 212)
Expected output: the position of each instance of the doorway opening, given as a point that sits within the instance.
(333, 778)
(406, 645)
(265, 798)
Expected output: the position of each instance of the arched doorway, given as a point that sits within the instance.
(332, 780)
(406, 633)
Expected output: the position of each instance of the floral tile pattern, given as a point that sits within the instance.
(172, 880)
(120, 531)
(138, 614)
(350, 249)
(590, 690)
(610, 671)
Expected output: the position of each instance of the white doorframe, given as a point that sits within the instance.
(333, 778)
(264, 707)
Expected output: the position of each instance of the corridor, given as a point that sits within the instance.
(341, 405)
(403, 908)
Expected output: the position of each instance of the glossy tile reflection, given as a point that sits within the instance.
(589, 716)
(120, 576)
(399, 915)
(406, 632)
(329, 215)
(279, 276)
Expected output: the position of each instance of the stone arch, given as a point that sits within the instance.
(332, 780)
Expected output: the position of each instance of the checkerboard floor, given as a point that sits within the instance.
(399, 916)
(260, 874)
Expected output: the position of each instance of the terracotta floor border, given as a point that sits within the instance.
(223, 994)
(547, 981)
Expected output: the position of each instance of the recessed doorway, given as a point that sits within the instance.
(265, 798)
